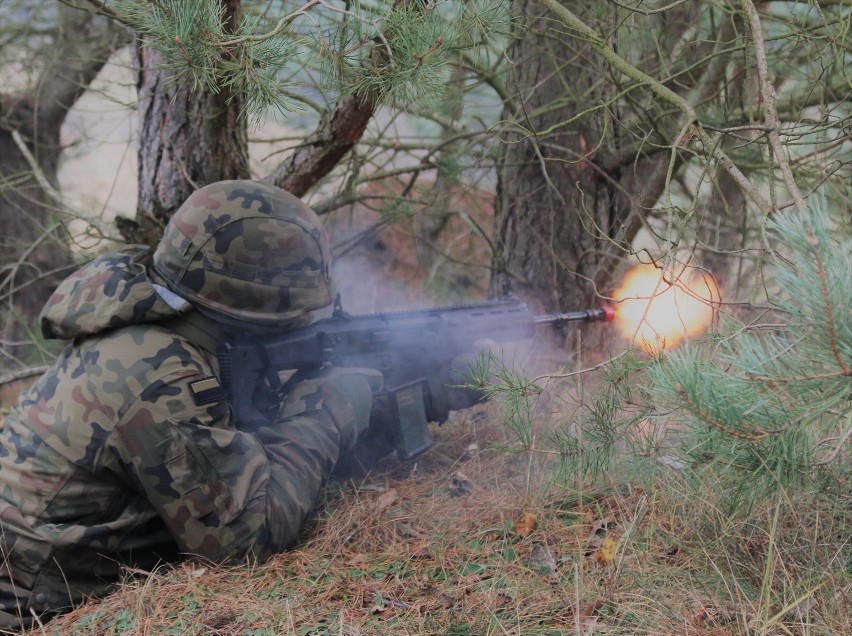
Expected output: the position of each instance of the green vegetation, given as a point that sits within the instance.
(698, 491)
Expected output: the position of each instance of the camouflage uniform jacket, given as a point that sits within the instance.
(126, 453)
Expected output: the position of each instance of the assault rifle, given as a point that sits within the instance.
(409, 348)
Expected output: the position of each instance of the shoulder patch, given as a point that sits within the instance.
(207, 390)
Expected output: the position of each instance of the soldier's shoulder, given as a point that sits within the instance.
(150, 349)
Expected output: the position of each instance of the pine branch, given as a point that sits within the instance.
(704, 417)
(767, 92)
(279, 28)
(829, 309)
(782, 383)
(570, 20)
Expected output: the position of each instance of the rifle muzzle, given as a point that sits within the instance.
(602, 314)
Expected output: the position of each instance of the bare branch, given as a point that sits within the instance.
(570, 20)
(767, 92)
(336, 134)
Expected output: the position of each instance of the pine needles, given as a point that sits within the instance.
(201, 50)
(764, 400)
(399, 54)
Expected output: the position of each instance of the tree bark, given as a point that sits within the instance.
(559, 216)
(188, 138)
(337, 133)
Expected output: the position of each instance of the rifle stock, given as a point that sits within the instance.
(407, 347)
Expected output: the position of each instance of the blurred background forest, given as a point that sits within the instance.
(519, 142)
(458, 149)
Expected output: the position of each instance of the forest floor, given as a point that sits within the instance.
(473, 539)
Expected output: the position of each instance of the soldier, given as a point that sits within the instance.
(125, 453)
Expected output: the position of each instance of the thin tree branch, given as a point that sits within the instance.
(571, 21)
(21, 374)
(770, 114)
(45, 184)
(704, 417)
(85, 44)
(336, 134)
(279, 27)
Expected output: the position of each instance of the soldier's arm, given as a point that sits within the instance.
(224, 493)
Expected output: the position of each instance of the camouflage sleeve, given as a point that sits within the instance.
(225, 493)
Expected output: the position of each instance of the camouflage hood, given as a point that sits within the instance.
(111, 291)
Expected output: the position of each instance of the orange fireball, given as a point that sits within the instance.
(657, 309)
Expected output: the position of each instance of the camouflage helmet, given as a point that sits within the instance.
(247, 251)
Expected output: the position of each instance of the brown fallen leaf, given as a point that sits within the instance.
(606, 553)
(421, 551)
(598, 532)
(406, 531)
(526, 524)
(587, 610)
(603, 523)
(542, 559)
(469, 453)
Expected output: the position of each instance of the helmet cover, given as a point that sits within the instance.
(247, 251)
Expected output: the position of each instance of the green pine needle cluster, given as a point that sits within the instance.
(409, 62)
(197, 49)
(515, 394)
(599, 433)
(399, 53)
(416, 68)
(772, 399)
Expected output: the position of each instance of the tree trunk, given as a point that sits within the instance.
(559, 216)
(188, 138)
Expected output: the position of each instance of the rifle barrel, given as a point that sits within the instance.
(604, 314)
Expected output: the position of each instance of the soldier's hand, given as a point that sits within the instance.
(462, 384)
(352, 388)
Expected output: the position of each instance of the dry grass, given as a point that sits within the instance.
(470, 541)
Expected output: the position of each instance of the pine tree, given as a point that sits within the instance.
(772, 401)
(761, 404)
(410, 68)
